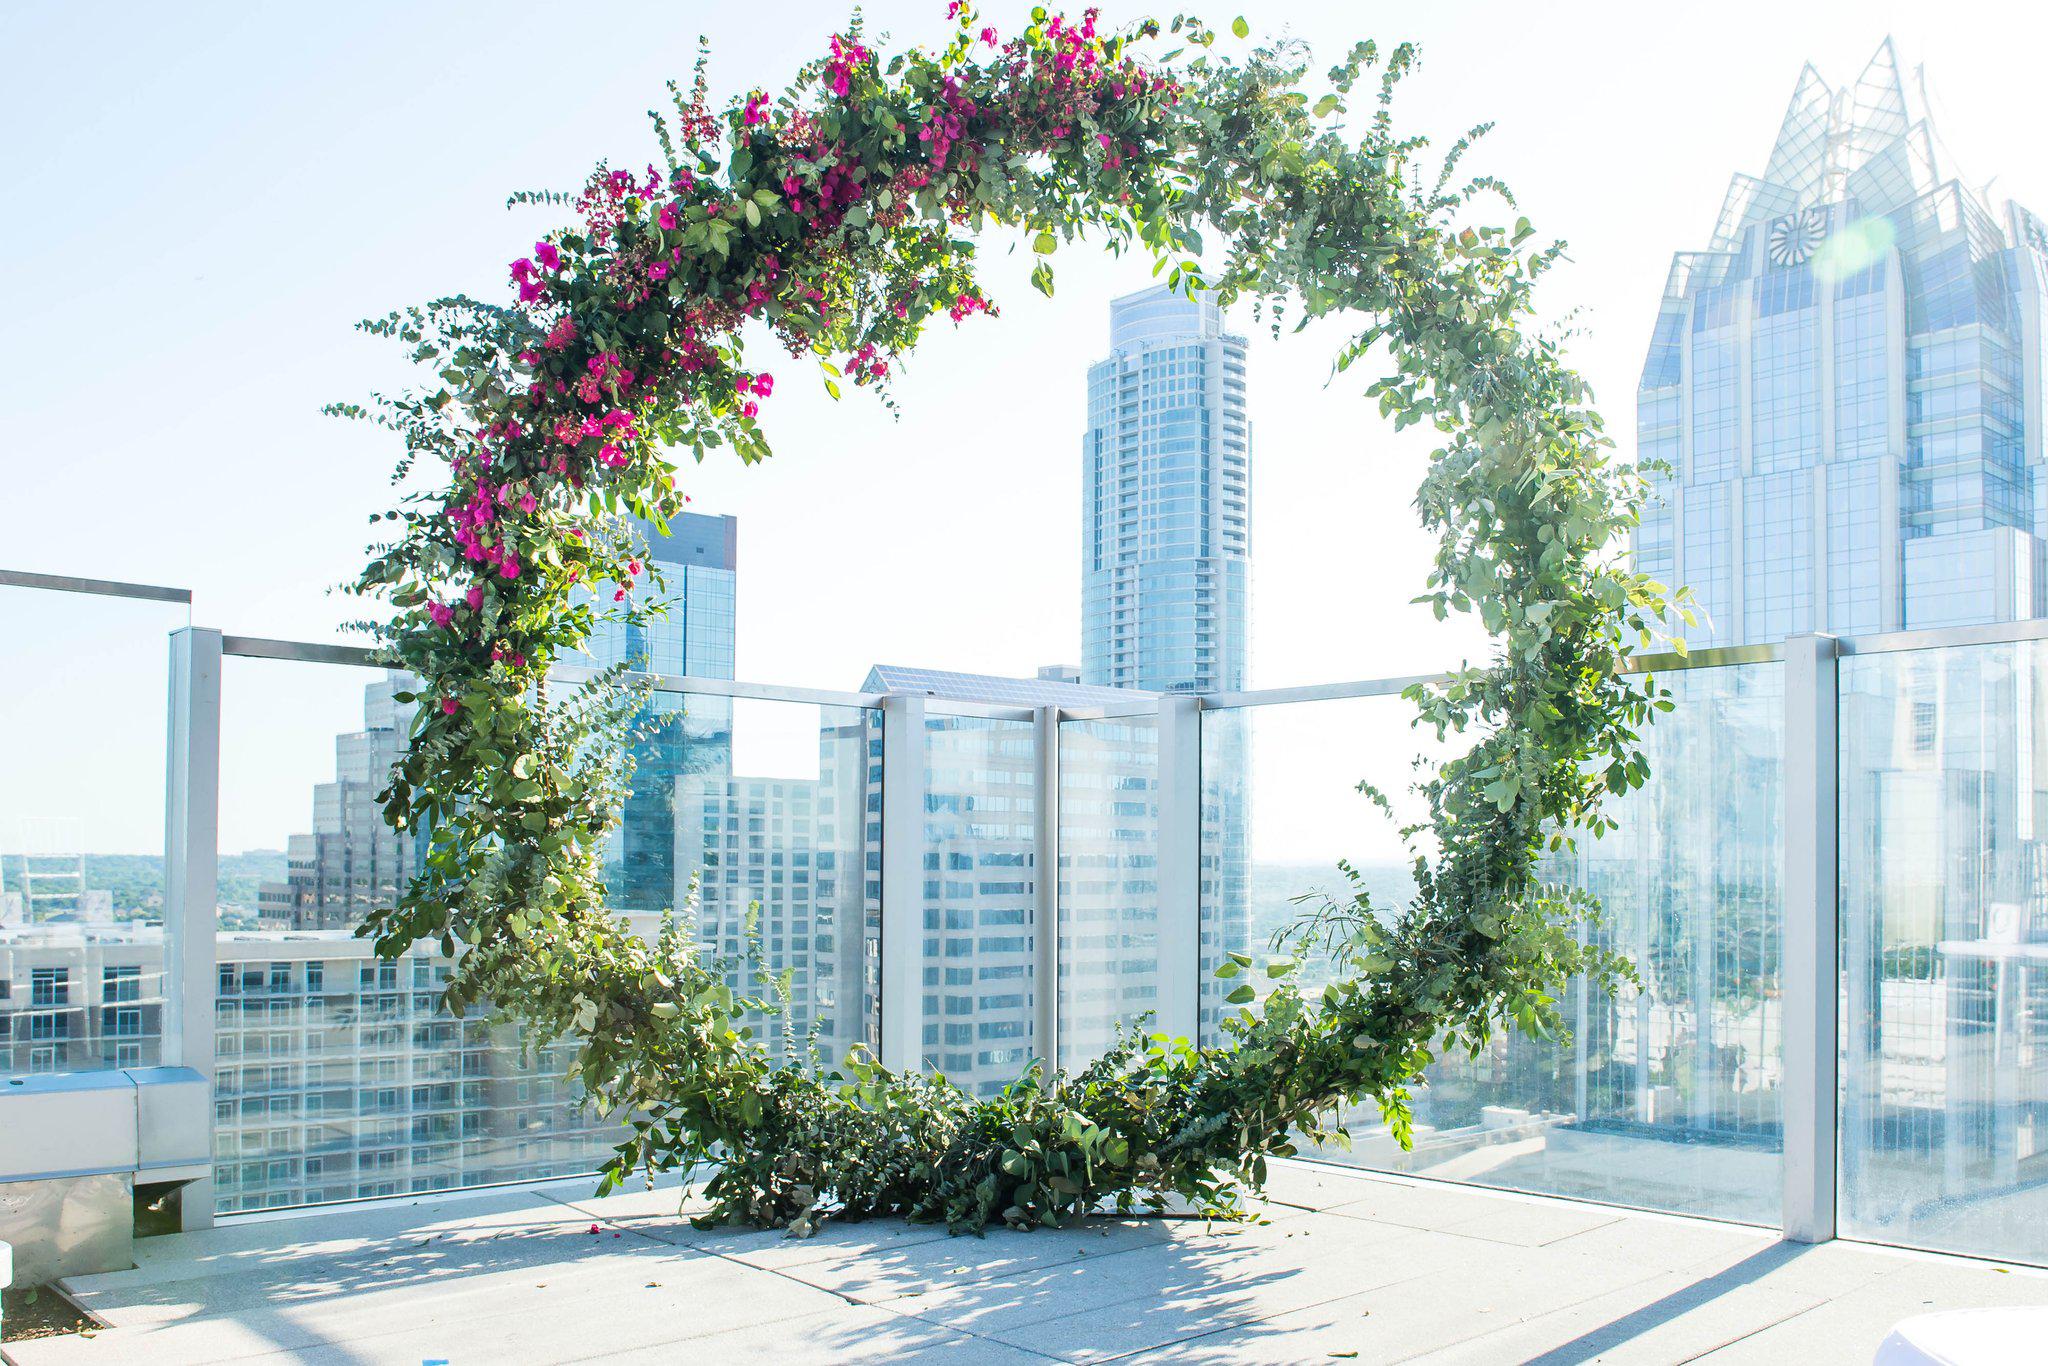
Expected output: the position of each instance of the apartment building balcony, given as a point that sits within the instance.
(1820, 1112)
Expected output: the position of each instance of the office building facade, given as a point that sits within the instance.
(1845, 388)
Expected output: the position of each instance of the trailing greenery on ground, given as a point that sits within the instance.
(838, 220)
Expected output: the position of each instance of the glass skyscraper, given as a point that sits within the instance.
(698, 561)
(1166, 501)
(1166, 554)
(1846, 385)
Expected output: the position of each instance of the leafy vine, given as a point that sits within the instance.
(838, 217)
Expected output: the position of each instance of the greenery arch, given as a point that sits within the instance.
(836, 215)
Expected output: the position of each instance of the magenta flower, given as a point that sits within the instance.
(448, 706)
(475, 597)
(667, 218)
(548, 255)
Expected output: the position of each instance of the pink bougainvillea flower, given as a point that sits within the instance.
(475, 596)
(448, 706)
(667, 218)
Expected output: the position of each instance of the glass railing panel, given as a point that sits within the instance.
(773, 828)
(83, 687)
(1663, 1097)
(339, 1076)
(1944, 935)
(979, 968)
(1281, 809)
(1109, 951)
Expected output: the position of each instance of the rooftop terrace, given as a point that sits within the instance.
(1345, 1265)
(1835, 888)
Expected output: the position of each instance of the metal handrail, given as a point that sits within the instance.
(1711, 657)
(310, 652)
(105, 588)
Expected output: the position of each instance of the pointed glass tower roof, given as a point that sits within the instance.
(1871, 140)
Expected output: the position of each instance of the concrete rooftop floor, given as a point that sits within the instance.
(1349, 1266)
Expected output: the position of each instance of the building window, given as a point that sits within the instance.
(49, 986)
(1923, 727)
(121, 983)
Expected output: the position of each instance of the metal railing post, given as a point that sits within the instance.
(191, 869)
(903, 840)
(1180, 866)
(1812, 930)
(1045, 1019)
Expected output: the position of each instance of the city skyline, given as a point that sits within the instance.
(877, 497)
(1848, 386)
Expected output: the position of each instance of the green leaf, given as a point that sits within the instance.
(1239, 27)
(1045, 244)
(1243, 994)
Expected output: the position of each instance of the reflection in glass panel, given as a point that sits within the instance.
(1944, 1119)
(1109, 882)
(1666, 1097)
(337, 1076)
(774, 843)
(980, 890)
(83, 680)
(1281, 807)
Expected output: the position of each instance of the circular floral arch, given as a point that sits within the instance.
(839, 215)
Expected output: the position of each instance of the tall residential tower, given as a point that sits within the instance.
(1166, 501)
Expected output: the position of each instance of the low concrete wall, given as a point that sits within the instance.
(73, 1147)
(68, 1227)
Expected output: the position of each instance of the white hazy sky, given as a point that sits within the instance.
(197, 201)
